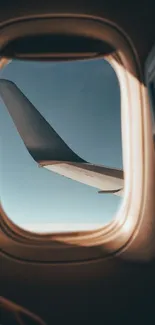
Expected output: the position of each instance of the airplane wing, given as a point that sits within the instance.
(49, 150)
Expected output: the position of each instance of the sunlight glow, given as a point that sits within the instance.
(60, 227)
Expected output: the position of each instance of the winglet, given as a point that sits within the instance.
(41, 140)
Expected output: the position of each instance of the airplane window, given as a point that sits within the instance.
(61, 150)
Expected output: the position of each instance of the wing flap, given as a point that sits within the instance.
(107, 180)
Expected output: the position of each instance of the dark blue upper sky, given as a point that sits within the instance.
(81, 100)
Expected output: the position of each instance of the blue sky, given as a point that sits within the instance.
(81, 100)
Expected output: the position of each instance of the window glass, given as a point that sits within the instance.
(81, 102)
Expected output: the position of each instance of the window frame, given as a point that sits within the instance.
(118, 234)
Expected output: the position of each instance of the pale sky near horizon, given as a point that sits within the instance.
(81, 101)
